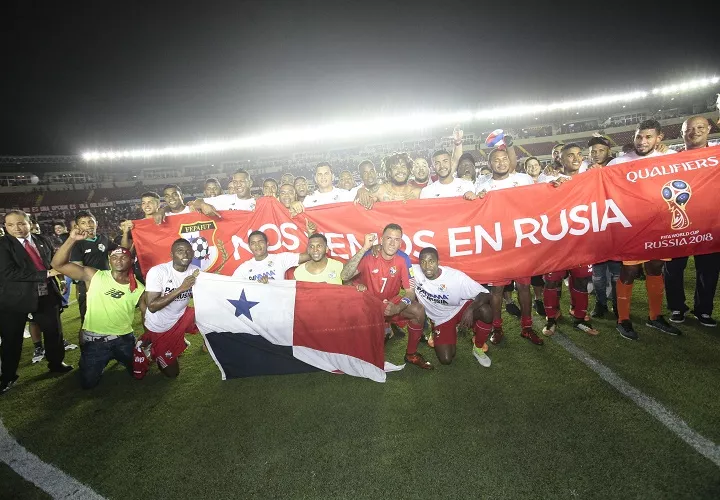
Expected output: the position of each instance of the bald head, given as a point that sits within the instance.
(695, 131)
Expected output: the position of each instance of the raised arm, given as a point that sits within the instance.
(61, 259)
(457, 147)
(350, 268)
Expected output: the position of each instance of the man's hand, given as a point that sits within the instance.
(188, 282)
(560, 180)
(77, 234)
(470, 196)
(159, 216)
(457, 134)
(310, 227)
(127, 226)
(467, 318)
(296, 207)
(264, 280)
(54, 272)
(360, 287)
(549, 171)
(392, 309)
(594, 165)
(481, 195)
(364, 198)
(661, 148)
(369, 240)
(208, 209)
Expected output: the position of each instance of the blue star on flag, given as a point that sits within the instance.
(243, 306)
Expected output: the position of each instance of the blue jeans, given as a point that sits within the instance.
(66, 295)
(600, 282)
(94, 357)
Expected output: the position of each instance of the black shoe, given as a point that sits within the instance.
(6, 386)
(61, 368)
(705, 319)
(513, 309)
(626, 330)
(539, 308)
(599, 311)
(677, 317)
(663, 326)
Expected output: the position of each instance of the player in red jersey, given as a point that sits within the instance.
(384, 276)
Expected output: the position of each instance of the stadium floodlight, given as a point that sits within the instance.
(399, 123)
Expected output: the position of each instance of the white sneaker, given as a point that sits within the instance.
(68, 346)
(38, 355)
(481, 357)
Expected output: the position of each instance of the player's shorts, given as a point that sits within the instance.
(446, 333)
(519, 281)
(638, 262)
(575, 272)
(167, 346)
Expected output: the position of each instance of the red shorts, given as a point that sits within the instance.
(167, 346)
(575, 272)
(519, 281)
(446, 334)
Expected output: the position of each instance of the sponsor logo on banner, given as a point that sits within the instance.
(201, 236)
(677, 194)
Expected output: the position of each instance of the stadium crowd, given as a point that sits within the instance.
(97, 254)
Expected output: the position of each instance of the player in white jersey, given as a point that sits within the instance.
(326, 193)
(263, 266)
(174, 204)
(241, 199)
(451, 298)
(503, 178)
(447, 185)
(168, 318)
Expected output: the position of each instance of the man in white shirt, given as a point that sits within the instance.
(447, 185)
(346, 180)
(168, 318)
(326, 193)
(647, 142)
(504, 178)
(241, 199)
(264, 267)
(174, 204)
(451, 298)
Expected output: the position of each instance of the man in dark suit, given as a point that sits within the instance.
(27, 285)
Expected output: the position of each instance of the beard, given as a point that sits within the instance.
(396, 182)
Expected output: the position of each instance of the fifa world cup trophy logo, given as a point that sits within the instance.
(676, 194)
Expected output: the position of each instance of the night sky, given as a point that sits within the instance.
(99, 74)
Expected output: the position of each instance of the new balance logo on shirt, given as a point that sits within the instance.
(115, 294)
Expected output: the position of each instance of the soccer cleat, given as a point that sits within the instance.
(38, 355)
(68, 346)
(677, 317)
(530, 334)
(585, 326)
(705, 320)
(513, 309)
(6, 386)
(599, 311)
(497, 335)
(417, 359)
(481, 357)
(388, 334)
(660, 324)
(626, 330)
(539, 307)
(550, 327)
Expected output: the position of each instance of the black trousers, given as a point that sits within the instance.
(12, 326)
(707, 269)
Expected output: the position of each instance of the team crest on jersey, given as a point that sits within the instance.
(201, 236)
(270, 263)
(677, 194)
(443, 287)
(393, 271)
(332, 275)
(101, 247)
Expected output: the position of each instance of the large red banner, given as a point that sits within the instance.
(659, 207)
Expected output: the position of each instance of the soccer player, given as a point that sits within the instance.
(695, 132)
(113, 294)
(451, 298)
(286, 195)
(600, 151)
(270, 188)
(326, 193)
(174, 204)
(320, 268)
(301, 188)
(241, 199)
(420, 172)
(150, 204)
(397, 171)
(92, 251)
(503, 178)
(369, 177)
(447, 184)
(346, 180)
(646, 144)
(571, 159)
(263, 266)
(384, 276)
(168, 289)
(212, 188)
(466, 168)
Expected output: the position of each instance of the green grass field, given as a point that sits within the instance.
(537, 424)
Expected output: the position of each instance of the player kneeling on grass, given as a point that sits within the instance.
(107, 331)
(451, 298)
(168, 317)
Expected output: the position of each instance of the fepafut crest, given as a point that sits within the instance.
(201, 236)
(676, 194)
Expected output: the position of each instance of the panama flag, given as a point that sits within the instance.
(289, 327)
